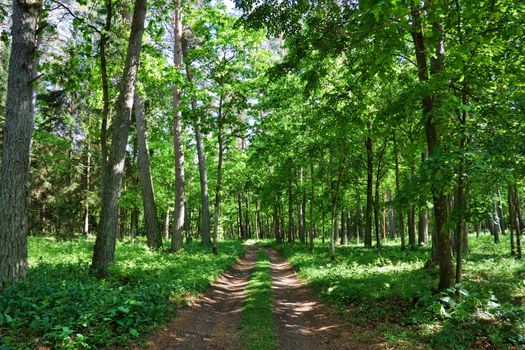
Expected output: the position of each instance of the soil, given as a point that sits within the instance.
(213, 322)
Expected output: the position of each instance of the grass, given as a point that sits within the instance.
(391, 294)
(61, 305)
(258, 329)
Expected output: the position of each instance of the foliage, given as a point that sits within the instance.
(394, 289)
(62, 305)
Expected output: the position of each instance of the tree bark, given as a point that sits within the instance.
(518, 221)
(446, 275)
(201, 157)
(369, 185)
(178, 227)
(104, 251)
(17, 134)
(512, 223)
(216, 207)
(398, 195)
(104, 37)
(153, 235)
(312, 203)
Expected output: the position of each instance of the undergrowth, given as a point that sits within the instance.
(61, 305)
(258, 330)
(393, 292)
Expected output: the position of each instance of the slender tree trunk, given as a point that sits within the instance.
(398, 195)
(518, 221)
(17, 134)
(512, 222)
(167, 223)
(154, 237)
(460, 213)
(500, 212)
(104, 251)
(179, 215)
(276, 224)
(85, 229)
(369, 185)
(201, 157)
(376, 215)
(290, 213)
(446, 275)
(495, 220)
(239, 215)
(104, 38)
(217, 205)
(312, 204)
(344, 229)
(422, 227)
(334, 230)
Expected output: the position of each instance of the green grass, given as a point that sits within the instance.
(258, 329)
(390, 294)
(60, 304)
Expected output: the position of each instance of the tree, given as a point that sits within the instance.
(154, 237)
(104, 250)
(17, 134)
(176, 240)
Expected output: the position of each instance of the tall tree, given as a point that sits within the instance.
(18, 131)
(178, 227)
(104, 250)
(153, 234)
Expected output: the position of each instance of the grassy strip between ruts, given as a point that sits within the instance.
(258, 330)
(62, 306)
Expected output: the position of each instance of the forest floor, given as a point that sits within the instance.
(215, 321)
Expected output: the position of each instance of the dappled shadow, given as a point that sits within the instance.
(212, 321)
(303, 322)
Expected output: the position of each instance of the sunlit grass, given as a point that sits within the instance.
(258, 329)
(397, 290)
(61, 304)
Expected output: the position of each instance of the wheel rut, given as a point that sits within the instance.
(213, 321)
(302, 323)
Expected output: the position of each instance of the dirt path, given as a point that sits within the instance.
(213, 321)
(302, 322)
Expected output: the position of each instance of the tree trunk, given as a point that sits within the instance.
(239, 215)
(154, 237)
(216, 207)
(512, 222)
(104, 38)
(398, 195)
(17, 134)
(423, 227)
(344, 229)
(290, 213)
(179, 215)
(500, 212)
(377, 223)
(495, 220)
(518, 221)
(201, 157)
(312, 203)
(85, 227)
(167, 223)
(369, 185)
(104, 251)
(446, 275)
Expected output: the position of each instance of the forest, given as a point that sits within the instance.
(194, 174)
